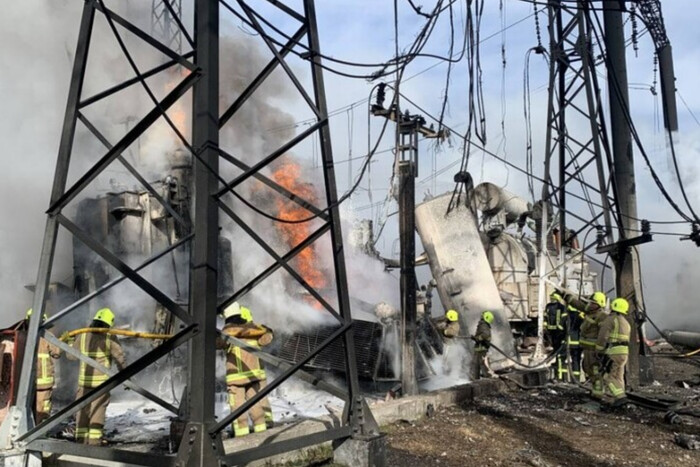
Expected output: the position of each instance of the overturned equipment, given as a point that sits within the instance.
(490, 263)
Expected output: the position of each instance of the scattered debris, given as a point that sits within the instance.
(531, 457)
(673, 418)
(582, 421)
(691, 442)
(551, 430)
(588, 407)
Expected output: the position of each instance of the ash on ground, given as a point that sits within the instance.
(558, 426)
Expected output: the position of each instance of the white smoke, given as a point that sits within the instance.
(451, 368)
(33, 96)
(669, 266)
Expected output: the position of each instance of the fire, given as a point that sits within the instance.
(178, 112)
(288, 175)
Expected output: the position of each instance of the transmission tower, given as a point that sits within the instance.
(201, 443)
(165, 15)
(579, 150)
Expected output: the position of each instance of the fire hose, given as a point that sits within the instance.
(690, 354)
(118, 332)
(147, 335)
(537, 365)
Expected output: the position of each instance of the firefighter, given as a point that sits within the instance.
(245, 376)
(449, 326)
(247, 315)
(572, 323)
(612, 348)
(105, 350)
(449, 329)
(593, 311)
(482, 342)
(555, 321)
(45, 374)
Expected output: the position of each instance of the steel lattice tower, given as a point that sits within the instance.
(165, 15)
(201, 444)
(581, 146)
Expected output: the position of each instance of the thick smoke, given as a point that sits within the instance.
(669, 266)
(36, 59)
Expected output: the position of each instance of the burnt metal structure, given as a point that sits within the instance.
(201, 444)
(408, 129)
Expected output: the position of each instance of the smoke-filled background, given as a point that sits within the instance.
(38, 42)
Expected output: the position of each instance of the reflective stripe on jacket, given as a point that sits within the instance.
(44, 364)
(554, 312)
(614, 336)
(243, 368)
(102, 348)
(590, 327)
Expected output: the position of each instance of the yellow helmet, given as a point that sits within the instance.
(600, 299)
(232, 310)
(246, 314)
(555, 296)
(487, 316)
(106, 316)
(451, 315)
(620, 305)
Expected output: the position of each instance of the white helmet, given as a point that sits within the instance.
(233, 309)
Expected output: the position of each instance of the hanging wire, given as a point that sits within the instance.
(504, 140)
(527, 112)
(598, 31)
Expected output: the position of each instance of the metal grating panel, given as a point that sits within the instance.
(368, 336)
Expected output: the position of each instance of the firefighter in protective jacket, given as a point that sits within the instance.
(449, 329)
(105, 350)
(45, 375)
(482, 342)
(245, 376)
(449, 326)
(594, 314)
(612, 347)
(555, 324)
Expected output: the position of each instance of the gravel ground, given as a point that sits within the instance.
(553, 426)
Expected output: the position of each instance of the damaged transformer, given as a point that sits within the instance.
(490, 263)
(135, 225)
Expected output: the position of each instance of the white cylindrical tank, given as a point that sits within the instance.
(491, 199)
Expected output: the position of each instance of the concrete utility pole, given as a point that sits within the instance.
(410, 126)
(407, 240)
(626, 259)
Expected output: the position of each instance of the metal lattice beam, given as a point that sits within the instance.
(202, 446)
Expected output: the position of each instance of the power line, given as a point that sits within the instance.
(628, 117)
(690, 111)
(524, 171)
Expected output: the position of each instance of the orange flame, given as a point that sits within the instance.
(288, 175)
(178, 112)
